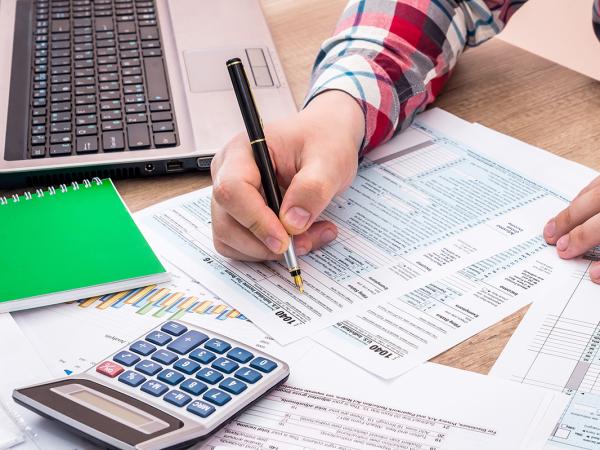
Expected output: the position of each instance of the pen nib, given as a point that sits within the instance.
(298, 282)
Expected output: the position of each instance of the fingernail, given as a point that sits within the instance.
(595, 272)
(327, 236)
(301, 251)
(274, 244)
(550, 229)
(563, 243)
(297, 217)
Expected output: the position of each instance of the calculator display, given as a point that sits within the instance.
(110, 408)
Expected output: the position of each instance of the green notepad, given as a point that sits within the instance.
(71, 242)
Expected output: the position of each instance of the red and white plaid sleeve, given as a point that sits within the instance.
(394, 56)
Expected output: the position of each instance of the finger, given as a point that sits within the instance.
(230, 252)
(319, 234)
(228, 231)
(580, 239)
(595, 272)
(580, 210)
(309, 193)
(236, 190)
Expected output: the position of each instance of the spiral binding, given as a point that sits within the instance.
(39, 193)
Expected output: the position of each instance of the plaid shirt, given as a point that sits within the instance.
(395, 56)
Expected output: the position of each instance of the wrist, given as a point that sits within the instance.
(340, 113)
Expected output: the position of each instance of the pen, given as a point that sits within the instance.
(256, 134)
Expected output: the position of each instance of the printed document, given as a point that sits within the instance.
(556, 347)
(421, 207)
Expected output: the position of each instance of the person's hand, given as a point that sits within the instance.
(315, 156)
(576, 229)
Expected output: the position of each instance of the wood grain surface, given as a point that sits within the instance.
(496, 84)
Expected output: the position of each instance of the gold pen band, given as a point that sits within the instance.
(257, 140)
(233, 63)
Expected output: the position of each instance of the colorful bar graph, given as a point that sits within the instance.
(162, 303)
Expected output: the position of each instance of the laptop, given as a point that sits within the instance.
(122, 88)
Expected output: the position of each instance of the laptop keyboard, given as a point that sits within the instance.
(98, 79)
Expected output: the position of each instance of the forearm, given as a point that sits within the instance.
(394, 57)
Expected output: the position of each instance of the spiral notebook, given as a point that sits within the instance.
(71, 242)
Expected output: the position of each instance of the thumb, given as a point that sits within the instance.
(307, 196)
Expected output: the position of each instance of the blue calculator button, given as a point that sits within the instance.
(132, 378)
(148, 367)
(170, 376)
(248, 375)
(186, 366)
(194, 387)
(202, 356)
(263, 364)
(217, 346)
(177, 398)
(187, 342)
(126, 358)
(201, 409)
(209, 376)
(216, 397)
(165, 357)
(159, 338)
(240, 355)
(154, 388)
(143, 348)
(174, 328)
(225, 365)
(233, 386)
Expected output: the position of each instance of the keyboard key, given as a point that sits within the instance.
(148, 367)
(162, 126)
(216, 397)
(104, 24)
(248, 375)
(186, 366)
(156, 79)
(174, 328)
(60, 149)
(126, 358)
(154, 388)
(217, 346)
(194, 387)
(164, 357)
(110, 369)
(187, 342)
(159, 338)
(263, 364)
(225, 365)
(87, 130)
(138, 136)
(38, 151)
(131, 378)
(86, 120)
(112, 125)
(209, 376)
(86, 144)
(177, 398)
(201, 409)
(60, 117)
(233, 386)
(113, 141)
(165, 140)
(202, 356)
(160, 106)
(137, 118)
(111, 115)
(38, 139)
(240, 355)
(142, 348)
(170, 376)
(85, 110)
(148, 33)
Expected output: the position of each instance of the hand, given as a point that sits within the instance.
(576, 229)
(315, 156)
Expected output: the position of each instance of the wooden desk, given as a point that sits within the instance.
(496, 84)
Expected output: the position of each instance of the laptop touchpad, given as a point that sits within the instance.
(207, 71)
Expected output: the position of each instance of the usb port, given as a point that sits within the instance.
(174, 166)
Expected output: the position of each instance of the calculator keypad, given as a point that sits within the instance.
(187, 369)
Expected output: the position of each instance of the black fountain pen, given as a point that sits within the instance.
(258, 142)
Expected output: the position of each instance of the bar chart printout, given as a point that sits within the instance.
(557, 346)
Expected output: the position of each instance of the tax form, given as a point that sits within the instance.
(556, 347)
(421, 207)
(392, 337)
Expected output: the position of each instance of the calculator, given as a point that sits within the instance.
(173, 386)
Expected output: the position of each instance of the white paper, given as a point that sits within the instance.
(556, 347)
(421, 208)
